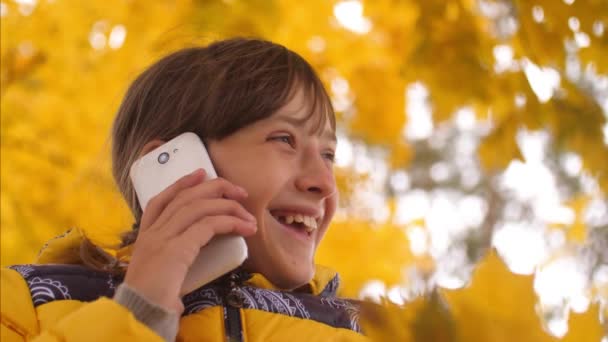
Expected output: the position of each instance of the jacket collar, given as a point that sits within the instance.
(65, 249)
(62, 249)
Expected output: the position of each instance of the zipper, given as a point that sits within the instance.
(233, 302)
(234, 332)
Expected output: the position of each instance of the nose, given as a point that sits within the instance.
(316, 176)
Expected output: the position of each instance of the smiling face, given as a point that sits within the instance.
(285, 162)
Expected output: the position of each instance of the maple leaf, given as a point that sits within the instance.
(585, 326)
(497, 305)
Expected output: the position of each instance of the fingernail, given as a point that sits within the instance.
(251, 218)
(242, 190)
(198, 172)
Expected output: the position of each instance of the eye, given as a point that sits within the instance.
(331, 156)
(287, 139)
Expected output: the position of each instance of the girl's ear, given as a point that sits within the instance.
(149, 146)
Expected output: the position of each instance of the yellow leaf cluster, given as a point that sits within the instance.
(361, 251)
(453, 47)
(423, 319)
(382, 100)
(59, 95)
(500, 147)
(497, 305)
(577, 231)
(58, 98)
(585, 326)
(541, 36)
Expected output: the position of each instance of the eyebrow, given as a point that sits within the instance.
(329, 135)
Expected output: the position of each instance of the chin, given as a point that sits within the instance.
(285, 277)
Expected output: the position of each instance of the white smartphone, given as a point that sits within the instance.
(162, 167)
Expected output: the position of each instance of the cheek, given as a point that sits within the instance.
(267, 182)
(260, 193)
(255, 205)
(331, 205)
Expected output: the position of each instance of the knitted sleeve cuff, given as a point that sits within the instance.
(162, 321)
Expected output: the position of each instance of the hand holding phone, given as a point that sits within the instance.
(182, 213)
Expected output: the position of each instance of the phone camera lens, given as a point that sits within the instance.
(163, 158)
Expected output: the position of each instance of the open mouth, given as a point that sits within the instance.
(300, 224)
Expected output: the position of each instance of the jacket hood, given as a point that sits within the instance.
(65, 249)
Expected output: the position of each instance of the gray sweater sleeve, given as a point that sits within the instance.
(162, 321)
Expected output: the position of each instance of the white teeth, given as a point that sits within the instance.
(309, 222)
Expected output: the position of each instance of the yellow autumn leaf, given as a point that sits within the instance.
(452, 48)
(595, 53)
(541, 41)
(361, 251)
(496, 306)
(585, 326)
(499, 148)
(576, 123)
(380, 101)
(390, 322)
(577, 231)
(423, 319)
(400, 155)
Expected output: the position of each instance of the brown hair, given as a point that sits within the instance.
(212, 91)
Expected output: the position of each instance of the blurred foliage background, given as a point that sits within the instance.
(472, 157)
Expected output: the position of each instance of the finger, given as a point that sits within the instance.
(215, 188)
(204, 230)
(157, 204)
(200, 208)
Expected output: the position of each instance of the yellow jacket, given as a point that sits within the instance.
(59, 300)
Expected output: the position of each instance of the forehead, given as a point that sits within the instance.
(305, 110)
